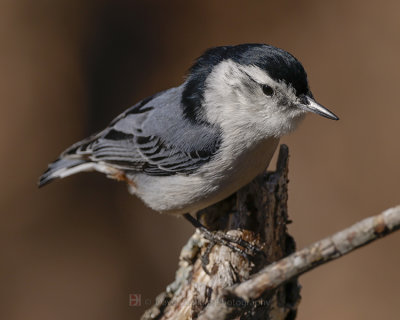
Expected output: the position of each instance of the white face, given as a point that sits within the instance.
(238, 95)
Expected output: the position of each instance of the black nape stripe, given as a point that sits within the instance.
(117, 135)
(193, 94)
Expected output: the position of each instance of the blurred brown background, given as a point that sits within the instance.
(77, 248)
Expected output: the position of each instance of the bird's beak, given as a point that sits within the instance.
(309, 104)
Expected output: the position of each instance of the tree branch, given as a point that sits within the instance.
(320, 252)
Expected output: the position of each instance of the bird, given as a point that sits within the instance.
(188, 147)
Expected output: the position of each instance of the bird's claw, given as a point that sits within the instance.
(236, 244)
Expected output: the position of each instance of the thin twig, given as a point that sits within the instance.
(318, 253)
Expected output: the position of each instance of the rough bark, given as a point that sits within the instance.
(320, 252)
(257, 214)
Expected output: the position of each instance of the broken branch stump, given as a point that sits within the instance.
(257, 213)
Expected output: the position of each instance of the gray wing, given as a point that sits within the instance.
(152, 137)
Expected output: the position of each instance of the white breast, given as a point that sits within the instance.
(233, 167)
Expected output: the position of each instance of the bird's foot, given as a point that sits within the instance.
(236, 244)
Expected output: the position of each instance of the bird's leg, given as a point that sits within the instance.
(246, 249)
(205, 257)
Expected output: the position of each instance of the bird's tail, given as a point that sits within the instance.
(78, 158)
(63, 167)
(74, 159)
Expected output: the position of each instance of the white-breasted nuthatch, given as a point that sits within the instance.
(188, 147)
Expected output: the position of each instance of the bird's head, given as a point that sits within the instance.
(254, 85)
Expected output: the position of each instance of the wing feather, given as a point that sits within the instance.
(152, 137)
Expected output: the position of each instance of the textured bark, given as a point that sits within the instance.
(320, 252)
(257, 214)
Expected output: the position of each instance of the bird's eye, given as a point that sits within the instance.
(268, 91)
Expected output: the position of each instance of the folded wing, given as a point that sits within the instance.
(152, 137)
